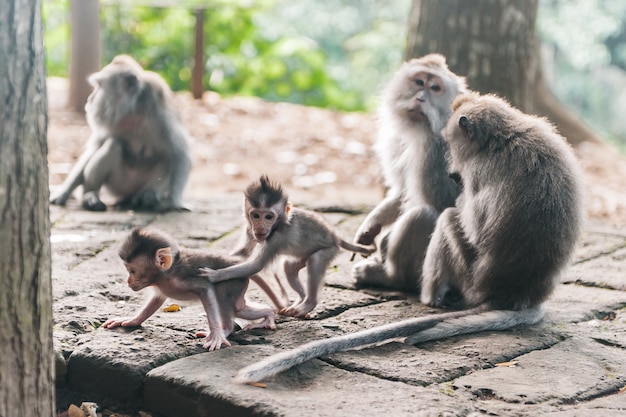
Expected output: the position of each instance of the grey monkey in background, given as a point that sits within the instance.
(415, 107)
(499, 252)
(138, 148)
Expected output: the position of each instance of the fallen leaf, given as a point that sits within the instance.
(172, 308)
(257, 384)
(509, 364)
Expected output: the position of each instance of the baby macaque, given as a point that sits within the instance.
(279, 229)
(138, 149)
(499, 252)
(415, 107)
(153, 259)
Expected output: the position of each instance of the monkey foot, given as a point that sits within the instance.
(301, 310)
(91, 202)
(369, 273)
(265, 324)
(213, 341)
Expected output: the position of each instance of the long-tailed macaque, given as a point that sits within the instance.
(138, 146)
(154, 259)
(280, 229)
(500, 251)
(415, 107)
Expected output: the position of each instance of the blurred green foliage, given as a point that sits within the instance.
(584, 57)
(337, 53)
(327, 53)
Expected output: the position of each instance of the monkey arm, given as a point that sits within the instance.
(386, 212)
(181, 166)
(148, 309)
(243, 269)
(77, 175)
(245, 245)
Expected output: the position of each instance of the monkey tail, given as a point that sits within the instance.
(420, 329)
(355, 247)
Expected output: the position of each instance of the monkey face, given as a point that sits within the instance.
(141, 273)
(262, 222)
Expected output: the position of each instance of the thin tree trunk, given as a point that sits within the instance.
(494, 44)
(85, 50)
(26, 362)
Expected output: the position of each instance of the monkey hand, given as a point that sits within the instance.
(211, 274)
(123, 322)
(366, 235)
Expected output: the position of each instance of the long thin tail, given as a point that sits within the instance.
(355, 247)
(420, 329)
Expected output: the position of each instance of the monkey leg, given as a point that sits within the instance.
(106, 160)
(249, 312)
(447, 262)
(292, 268)
(406, 246)
(316, 267)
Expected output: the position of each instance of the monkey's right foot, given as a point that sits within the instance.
(369, 273)
(92, 202)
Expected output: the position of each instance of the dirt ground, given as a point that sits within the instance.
(322, 157)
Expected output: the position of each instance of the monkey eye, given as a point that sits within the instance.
(269, 216)
(436, 88)
(419, 82)
(256, 216)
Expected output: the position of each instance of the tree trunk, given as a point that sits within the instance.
(85, 50)
(494, 44)
(26, 362)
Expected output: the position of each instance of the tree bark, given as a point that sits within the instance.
(494, 44)
(27, 361)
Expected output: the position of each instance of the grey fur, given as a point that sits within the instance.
(412, 153)
(138, 148)
(501, 249)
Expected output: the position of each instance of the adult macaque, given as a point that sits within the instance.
(138, 145)
(415, 107)
(153, 259)
(279, 229)
(500, 251)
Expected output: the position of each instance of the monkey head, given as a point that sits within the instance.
(470, 129)
(423, 90)
(266, 206)
(146, 255)
(116, 90)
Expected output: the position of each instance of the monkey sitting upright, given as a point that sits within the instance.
(279, 229)
(138, 146)
(499, 252)
(415, 107)
(153, 259)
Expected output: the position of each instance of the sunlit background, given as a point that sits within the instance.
(337, 53)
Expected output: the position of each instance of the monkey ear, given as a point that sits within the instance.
(288, 212)
(164, 258)
(465, 126)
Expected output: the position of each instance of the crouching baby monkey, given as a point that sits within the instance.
(154, 259)
(279, 229)
(138, 145)
(415, 107)
(499, 252)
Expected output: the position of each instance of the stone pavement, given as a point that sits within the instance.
(571, 364)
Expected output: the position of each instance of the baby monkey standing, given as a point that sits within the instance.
(499, 252)
(154, 259)
(302, 235)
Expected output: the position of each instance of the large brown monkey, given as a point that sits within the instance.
(138, 145)
(415, 107)
(500, 251)
(153, 259)
(279, 229)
